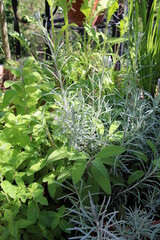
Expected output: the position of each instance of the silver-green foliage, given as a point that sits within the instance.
(91, 221)
(79, 120)
(99, 222)
(138, 224)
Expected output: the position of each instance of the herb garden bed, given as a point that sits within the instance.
(79, 140)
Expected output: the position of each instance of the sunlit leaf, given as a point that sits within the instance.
(8, 96)
(112, 10)
(37, 191)
(110, 151)
(58, 154)
(114, 126)
(9, 189)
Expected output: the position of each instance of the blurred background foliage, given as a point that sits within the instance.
(26, 9)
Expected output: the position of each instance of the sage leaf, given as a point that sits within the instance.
(135, 176)
(58, 154)
(52, 188)
(110, 151)
(78, 170)
(101, 176)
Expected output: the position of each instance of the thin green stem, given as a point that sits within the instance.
(66, 31)
(53, 30)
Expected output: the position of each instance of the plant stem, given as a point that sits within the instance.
(66, 31)
(52, 23)
(148, 175)
(49, 137)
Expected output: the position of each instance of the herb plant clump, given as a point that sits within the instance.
(79, 141)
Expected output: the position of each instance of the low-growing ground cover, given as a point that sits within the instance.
(80, 142)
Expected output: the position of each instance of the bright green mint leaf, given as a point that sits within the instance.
(9, 189)
(8, 96)
(5, 147)
(29, 62)
(64, 175)
(16, 71)
(85, 9)
(8, 83)
(37, 191)
(32, 77)
(49, 177)
(99, 126)
(21, 158)
(19, 181)
(32, 99)
(36, 166)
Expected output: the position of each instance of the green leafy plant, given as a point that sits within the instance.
(144, 23)
(25, 175)
(66, 130)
